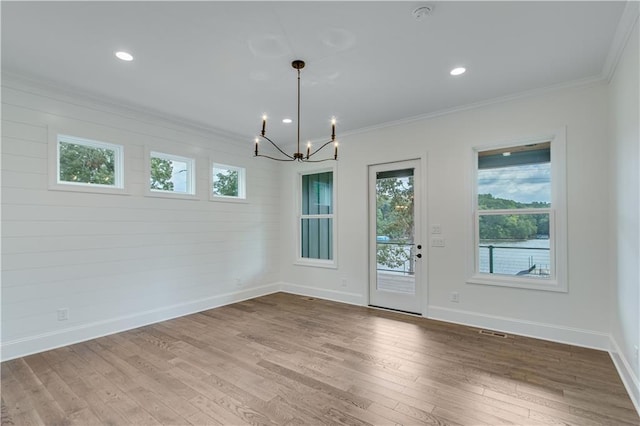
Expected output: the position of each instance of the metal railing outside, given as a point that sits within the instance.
(402, 251)
(516, 260)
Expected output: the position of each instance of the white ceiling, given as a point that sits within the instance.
(224, 64)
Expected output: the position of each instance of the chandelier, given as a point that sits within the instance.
(298, 155)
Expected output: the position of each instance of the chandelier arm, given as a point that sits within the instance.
(319, 149)
(277, 147)
(276, 159)
(318, 161)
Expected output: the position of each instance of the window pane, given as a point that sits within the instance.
(515, 177)
(170, 175)
(87, 164)
(515, 244)
(317, 193)
(317, 238)
(225, 182)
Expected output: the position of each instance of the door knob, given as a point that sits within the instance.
(419, 246)
(419, 255)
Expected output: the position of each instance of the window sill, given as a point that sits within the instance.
(175, 196)
(516, 282)
(223, 199)
(316, 263)
(91, 189)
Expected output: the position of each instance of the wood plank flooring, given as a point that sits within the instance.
(290, 360)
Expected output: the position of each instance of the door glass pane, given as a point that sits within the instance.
(395, 249)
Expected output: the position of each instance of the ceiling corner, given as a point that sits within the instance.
(628, 21)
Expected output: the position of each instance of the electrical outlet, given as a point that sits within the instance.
(343, 282)
(436, 229)
(63, 314)
(455, 297)
(238, 282)
(437, 242)
(636, 351)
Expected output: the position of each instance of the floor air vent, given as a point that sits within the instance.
(493, 333)
(309, 298)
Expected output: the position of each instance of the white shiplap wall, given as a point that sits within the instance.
(121, 261)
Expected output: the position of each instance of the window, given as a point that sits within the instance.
(88, 163)
(228, 182)
(519, 205)
(171, 174)
(316, 218)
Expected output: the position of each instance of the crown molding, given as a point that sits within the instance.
(585, 82)
(113, 106)
(628, 21)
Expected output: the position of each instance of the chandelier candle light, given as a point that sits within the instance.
(299, 156)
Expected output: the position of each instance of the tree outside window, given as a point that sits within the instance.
(86, 162)
(395, 222)
(228, 182)
(171, 173)
(161, 172)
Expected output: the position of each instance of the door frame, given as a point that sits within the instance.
(421, 288)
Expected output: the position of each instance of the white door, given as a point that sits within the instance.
(395, 252)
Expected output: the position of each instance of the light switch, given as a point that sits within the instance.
(437, 242)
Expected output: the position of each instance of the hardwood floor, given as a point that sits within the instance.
(289, 360)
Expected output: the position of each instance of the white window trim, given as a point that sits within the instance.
(242, 184)
(118, 188)
(558, 282)
(191, 182)
(305, 261)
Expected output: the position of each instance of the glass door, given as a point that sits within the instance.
(395, 254)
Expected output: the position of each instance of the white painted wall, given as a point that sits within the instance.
(445, 142)
(625, 214)
(120, 261)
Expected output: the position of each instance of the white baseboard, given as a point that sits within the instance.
(630, 380)
(573, 336)
(323, 293)
(554, 333)
(80, 333)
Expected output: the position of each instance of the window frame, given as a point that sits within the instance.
(305, 261)
(242, 183)
(557, 220)
(56, 138)
(191, 180)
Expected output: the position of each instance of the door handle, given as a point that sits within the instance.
(419, 255)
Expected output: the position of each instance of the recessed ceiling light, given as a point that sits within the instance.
(458, 71)
(287, 120)
(125, 56)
